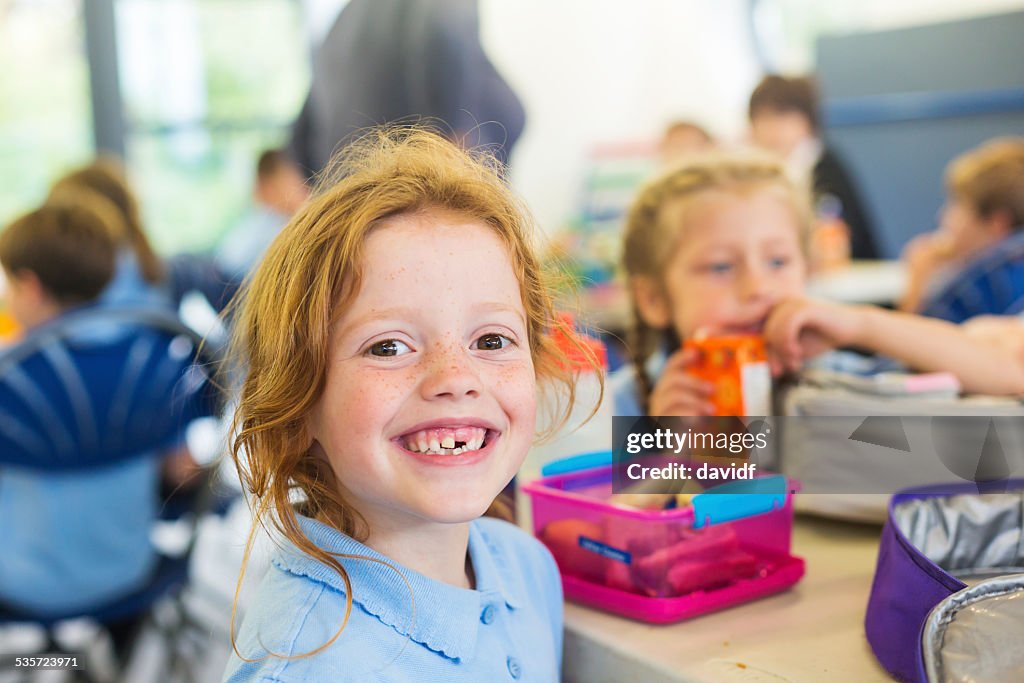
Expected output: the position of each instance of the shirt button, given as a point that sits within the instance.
(514, 669)
(487, 616)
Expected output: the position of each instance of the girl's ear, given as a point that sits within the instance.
(311, 431)
(318, 452)
(651, 302)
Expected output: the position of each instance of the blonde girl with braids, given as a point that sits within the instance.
(394, 339)
(710, 248)
(716, 247)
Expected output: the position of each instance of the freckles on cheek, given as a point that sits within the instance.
(517, 380)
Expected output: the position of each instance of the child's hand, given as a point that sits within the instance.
(925, 253)
(998, 332)
(798, 329)
(679, 393)
(925, 256)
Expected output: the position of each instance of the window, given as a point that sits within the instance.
(206, 86)
(45, 120)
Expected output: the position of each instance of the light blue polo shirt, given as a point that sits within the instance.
(508, 629)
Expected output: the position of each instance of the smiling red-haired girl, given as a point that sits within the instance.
(394, 339)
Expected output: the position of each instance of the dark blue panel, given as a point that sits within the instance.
(914, 106)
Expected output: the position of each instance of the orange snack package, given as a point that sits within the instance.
(738, 367)
(9, 329)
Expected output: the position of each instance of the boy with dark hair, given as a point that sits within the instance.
(784, 118)
(59, 256)
(278, 191)
(279, 183)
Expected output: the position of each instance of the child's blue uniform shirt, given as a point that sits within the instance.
(992, 283)
(76, 539)
(128, 287)
(508, 629)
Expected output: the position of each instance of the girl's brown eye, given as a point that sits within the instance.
(388, 348)
(492, 342)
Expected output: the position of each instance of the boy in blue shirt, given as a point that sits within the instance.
(72, 540)
(973, 264)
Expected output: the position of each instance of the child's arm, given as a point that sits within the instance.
(678, 393)
(799, 328)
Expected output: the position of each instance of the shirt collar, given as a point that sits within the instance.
(491, 568)
(437, 615)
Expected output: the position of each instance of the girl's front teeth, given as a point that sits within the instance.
(446, 441)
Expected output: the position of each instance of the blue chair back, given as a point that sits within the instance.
(100, 385)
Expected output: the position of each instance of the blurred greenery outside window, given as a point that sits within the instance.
(206, 86)
(45, 117)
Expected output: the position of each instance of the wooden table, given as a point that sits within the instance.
(813, 632)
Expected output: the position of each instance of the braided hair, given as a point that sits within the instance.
(652, 236)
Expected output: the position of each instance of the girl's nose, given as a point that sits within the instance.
(755, 284)
(450, 374)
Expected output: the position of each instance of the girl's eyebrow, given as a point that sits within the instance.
(498, 307)
(408, 313)
(393, 313)
(777, 241)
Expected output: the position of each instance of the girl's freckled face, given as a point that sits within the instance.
(427, 340)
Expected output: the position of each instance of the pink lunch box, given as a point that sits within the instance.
(660, 566)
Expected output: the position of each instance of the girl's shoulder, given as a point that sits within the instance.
(624, 387)
(625, 391)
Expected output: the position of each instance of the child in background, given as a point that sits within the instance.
(681, 140)
(139, 275)
(278, 193)
(140, 279)
(394, 336)
(56, 259)
(716, 247)
(59, 256)
(973, 264)
(784, 119)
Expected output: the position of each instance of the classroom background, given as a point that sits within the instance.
(191, 95)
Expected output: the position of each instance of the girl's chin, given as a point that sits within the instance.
(456, 514)
(452, 504)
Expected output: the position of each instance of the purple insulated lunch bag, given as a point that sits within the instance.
(947, 602)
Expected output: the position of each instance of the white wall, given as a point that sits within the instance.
(599, 71)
